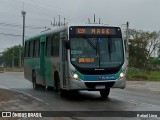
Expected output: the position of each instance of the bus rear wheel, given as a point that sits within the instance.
(57, 83)
(49, 88)
(104, 93)
(35, 85)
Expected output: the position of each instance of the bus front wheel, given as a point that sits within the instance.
(104, 93)
(58, 89)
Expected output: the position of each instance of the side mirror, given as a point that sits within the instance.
(65, 41)
(67, 44)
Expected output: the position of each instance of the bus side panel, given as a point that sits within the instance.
(48, 72)
(27, 69)
(51, 65)
(31, 64)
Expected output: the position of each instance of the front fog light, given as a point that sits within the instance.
(75, 76)
(121, 75)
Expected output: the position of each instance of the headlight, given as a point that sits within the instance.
(75, 76)
(121, 74)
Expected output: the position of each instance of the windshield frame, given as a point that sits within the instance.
(92, 36)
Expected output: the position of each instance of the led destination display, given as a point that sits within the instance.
(95, 30)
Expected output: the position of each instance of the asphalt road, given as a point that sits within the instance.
(119, 100)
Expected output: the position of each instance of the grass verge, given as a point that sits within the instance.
(17, 69)
(140, 74)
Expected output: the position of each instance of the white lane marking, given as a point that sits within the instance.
(38, 99)
(132, 101)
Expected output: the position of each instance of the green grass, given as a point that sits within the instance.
(139, 74)
(154, 75)
(16, 69)
(132, 74)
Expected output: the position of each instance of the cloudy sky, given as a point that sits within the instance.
(141, 14)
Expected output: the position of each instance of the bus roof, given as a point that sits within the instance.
(47, 32)
(63, 28)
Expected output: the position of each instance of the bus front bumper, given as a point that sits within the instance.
(85, 85)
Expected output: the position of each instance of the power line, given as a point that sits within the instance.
(9, 34)
(31, 11)
(19, 26)
(38, 10)
(14, 29)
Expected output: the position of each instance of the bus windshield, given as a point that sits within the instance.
(106, 52)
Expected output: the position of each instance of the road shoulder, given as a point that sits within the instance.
(144, 86)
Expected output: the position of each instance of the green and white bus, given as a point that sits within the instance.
(77, 58)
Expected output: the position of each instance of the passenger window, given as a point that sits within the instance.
(31, 49)
(48, 46)
(36, 48)
(26, 49)
(55, 45)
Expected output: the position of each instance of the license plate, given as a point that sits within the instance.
(100, 86)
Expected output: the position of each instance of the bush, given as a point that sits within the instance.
(140, 74)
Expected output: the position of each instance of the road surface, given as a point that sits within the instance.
(129, 99)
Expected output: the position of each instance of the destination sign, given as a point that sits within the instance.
(88, 30)
(86, 60)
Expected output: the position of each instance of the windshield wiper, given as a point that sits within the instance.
(91, 43)
(96, 47)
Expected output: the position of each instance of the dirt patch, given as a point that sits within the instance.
(6, 95)
(11, 100)
(16, 101)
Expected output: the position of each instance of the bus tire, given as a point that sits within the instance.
(58, 89)
(35, 85)
(104, 93)
(49, 88)
(57, 83)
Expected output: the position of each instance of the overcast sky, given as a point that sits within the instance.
(141, 14)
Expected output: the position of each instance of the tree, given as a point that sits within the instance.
(137, 47)
(153, 43)
(142, 45)
(12, 56)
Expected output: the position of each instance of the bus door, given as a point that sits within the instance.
(42, 57)
(63, 61)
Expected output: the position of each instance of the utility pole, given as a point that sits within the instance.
(99, 21)
(89, 21)
(64, 21)
(54, 24)
(59, 23)
(23, 15)
(20, 61)
(127, 42)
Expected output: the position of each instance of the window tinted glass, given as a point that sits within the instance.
(36, 49)
(31, 48)
(26, 49)
(55, 45)
(48, 46)
(104, 52)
